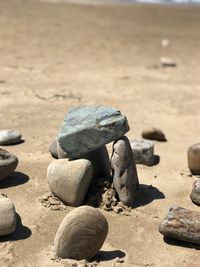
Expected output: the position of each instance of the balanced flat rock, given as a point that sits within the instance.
(69, 180)
(9, 137)
(87, 128)
(143, 151)
(125, 178)
(194, 158)
(81, 234)
(8, 163)
(195, 194)
(181, 224)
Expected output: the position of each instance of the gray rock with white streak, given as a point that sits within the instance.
(143, 151)
(9, 137)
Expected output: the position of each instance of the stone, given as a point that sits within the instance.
(181, 224)
(167, 62)
(53, 149)
(81, 234)
(8, 163)
(61, 154)
(152, 133)
(143, 151)
(194, 158)
(88, 128)
(69, 180)
(7, 216)
(195, 194)
(124, 172)
(9, 137)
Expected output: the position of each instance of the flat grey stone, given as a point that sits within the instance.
(125, 178)
(53, 149)
(7, 216)
(181, 224)
(143, 151)
(194, 158)
(86, 129)
(195, 194)
(9, 137)
(69, 180)
(8, 163)
(81, 234)
(152, 133)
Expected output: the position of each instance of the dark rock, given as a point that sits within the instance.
(153, 134)
(8, 163)
(195, 194)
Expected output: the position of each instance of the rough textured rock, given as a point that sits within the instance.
(53, 149)
(69, 180)
(181, 224)
(125, 178)
(86, 129)
(194, 158)
(81, 234)
(7, 216)
(153, 134)
(61, 154)
(195, 194)
(143, 151)
(9, 137)
(8, 163)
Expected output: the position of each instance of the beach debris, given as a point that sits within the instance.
(88, 128)
(124, 172)
(165, 43)
(195, 194)
(53, 149)
(193, 156)
(61, 154)
(181, 224)
(81, 234)
(9, 137)
(167, 62)
(7, 216)
(143, 151)
(8, 163)
(69, 180)
(152, 133)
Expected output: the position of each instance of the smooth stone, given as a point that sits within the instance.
(8, 163)
(53, 149)
(81, 234)
(69, 180)
(61, 154)
(7, 216)
(9, 137)
(88, 128)
(125, 178)
(195, 194)
(153, 134)
(143, 151)
(194, 158)
(181, 224)
(167, 62)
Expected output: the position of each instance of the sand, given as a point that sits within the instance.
(57, 56)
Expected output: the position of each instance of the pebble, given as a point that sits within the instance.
(81, 234)
(125, 178)
(194, 158)
(152, 133)
(8, 163)
(9, 137)
(69, 180)
(53, 149)
(88, 128)
(167, 62)
(181, 224)
(195, 194)
(7, 216)
(143, 151)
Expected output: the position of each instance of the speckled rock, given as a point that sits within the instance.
(9, 137)
(125, 178)
(81, 234)
(61, 154)
(7, 216)
(8, 163)
(143, 151)
(181, 224)
(153, 134)
(195, 194)
(53, 149)
(86, 129)
(69, 180)
(194, 158)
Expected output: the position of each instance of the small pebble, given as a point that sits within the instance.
(167, 62)
(152, 133)
(8, 163)
(9, 137)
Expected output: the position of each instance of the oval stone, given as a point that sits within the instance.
(194, 158)
(81, 234)
(8, 163)
(195, 194)
(154, 134)
(9, 137)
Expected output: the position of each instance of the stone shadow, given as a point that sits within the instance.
(17, 178)
(179, 243)
(21, 232)
(109, 255)
(146, 194)
(21, 141)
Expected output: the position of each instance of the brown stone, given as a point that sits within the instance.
(194, 158)
(152, 133)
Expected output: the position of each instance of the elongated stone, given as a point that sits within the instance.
(9, 137)
(194, 158)
(143, 151)
(195, 194)
(181, 224)
(86, 129)
(8, 163)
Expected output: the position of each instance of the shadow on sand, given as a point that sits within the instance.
(17, 178)
(109, 255)
(179, 243)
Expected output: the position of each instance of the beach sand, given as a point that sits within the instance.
(57, 56)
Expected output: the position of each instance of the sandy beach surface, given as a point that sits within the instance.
(57, 56)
